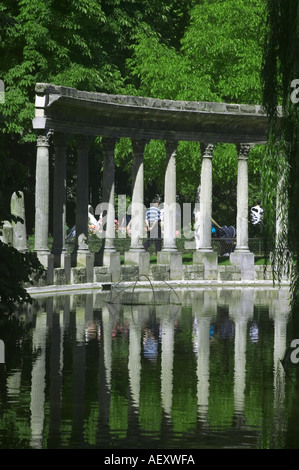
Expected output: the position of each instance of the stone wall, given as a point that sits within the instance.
(158, 272)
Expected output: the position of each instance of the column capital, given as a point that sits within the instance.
(243, 151)
(171, 147)
(82, 141)
(207, 149)
(60, 140)
(139, 146)
(43, 139)
(109, 143)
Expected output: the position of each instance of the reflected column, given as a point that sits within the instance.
(204, 307)
(278, 311)
(134, 364)
(107, 322)
(241, 310)
(167, 345)
(38, 383)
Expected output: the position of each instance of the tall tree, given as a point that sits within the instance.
(281, 163)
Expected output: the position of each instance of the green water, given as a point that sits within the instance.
(190, 369)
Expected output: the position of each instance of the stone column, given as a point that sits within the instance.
(205, 255)
(42, 204)
(242, 257)
(169, 254)
(111, 257)
(84, 258)
(137, 254)
(62, 258)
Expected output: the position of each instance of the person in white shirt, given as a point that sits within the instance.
(256, 214)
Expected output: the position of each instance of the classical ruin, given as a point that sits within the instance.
(63, 112)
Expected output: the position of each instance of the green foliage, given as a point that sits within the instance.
(15, 269)
(281, 169)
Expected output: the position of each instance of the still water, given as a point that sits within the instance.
(184, 369)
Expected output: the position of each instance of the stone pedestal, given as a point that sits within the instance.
(140, 259)
(112, 260)
(174, 260)
(245, 261)
(86, 260)
(47, 260)
(64, 261)
(210, 261)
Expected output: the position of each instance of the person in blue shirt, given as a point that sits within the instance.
(153, 226)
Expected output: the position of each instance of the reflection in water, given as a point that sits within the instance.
(142, 373)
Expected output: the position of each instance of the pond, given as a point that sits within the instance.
(146, 369)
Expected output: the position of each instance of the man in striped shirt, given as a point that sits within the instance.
(153, 225)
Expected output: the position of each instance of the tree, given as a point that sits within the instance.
(281, 163)
(219, 60)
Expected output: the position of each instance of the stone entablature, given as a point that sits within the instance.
(66, 109)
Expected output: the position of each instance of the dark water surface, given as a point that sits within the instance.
(185, 369)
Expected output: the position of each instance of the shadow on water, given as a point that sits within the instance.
(149, 368)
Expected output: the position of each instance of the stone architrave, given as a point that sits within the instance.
(61, 256)
(17, 208)
(205, 254)
(42, 204)
(137, 254)
(84, 258)
(242, 257)
(170, 254)
(111, 257)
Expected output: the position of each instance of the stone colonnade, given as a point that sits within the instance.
(169, 255)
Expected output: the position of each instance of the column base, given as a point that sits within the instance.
(112, 260)
(140, 259)
(210, 261)
(174, 260)
(245, 261)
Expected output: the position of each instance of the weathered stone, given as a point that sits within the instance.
(160, 272)
(60, 277)
(7, 233)
(193, 272)
(141, 259)
(78, 276)
(17, 208)
(209, 259)
(174, 260)
(129, 273)
(102, 274)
